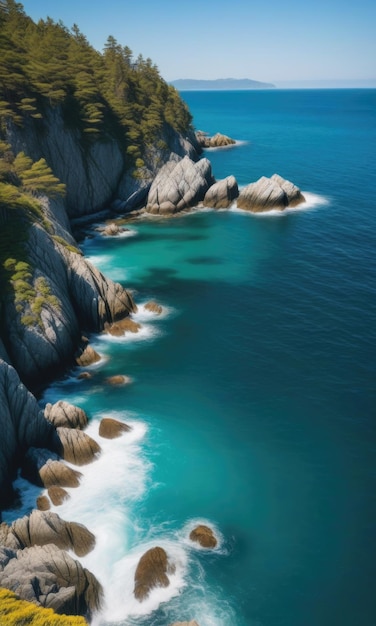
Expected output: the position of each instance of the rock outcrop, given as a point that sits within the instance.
(64, 414)
(109, 428)
(178, 186)
(23, 425)
(58, 473)
(51, 578)
(216, 141)
(57, 495)
(98, 173)
(86, 355)
(117, 329)
(269, 193)
(71, 295)
(44, 527)
(151, 572)
(222, 194)
(34, 459)
(77, 447)
(204, 536)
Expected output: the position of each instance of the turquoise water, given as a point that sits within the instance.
(253, 395)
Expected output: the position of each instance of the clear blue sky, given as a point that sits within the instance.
(267, 40)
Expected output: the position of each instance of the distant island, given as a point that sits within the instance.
(187, 84)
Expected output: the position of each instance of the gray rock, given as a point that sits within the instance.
(44, 527)
(216, 141)
(292, 192)
(269, 193)
(71, 294)
(51, 578)
(179, 186)
(222, 194)
(23, 426)
(64, 414)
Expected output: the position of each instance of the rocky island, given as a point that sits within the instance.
(72, 146)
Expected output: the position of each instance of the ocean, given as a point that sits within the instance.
(253, 395)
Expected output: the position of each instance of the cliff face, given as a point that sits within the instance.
(96, 172)
(22, 425)
(65, 295)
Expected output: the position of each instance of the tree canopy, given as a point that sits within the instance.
(46, 63)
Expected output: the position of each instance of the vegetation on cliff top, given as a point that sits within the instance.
(20, 180)
(16, 612)
(46, 66)
(100, 94)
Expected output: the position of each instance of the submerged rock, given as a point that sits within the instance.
(151, 572)
(153, 307)
(204, 536)
(119, 379)
(269, 193)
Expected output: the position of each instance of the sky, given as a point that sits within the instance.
(286, 43)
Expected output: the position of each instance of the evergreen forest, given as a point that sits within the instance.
(46, 64)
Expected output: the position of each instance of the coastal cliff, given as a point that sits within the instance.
(72, 143)
(80, 133)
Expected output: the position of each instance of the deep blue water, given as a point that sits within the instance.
(253, 401)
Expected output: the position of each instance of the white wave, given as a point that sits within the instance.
(108, 489)
(129, 232)
(120, 602)
(144, 315)
(312, 200)
(103, 503)
(146, 332)
(238, 142)
(99, 260)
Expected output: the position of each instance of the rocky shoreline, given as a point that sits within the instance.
(80, 299)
